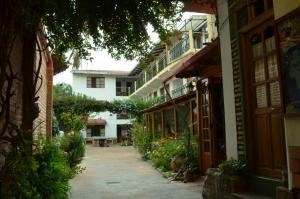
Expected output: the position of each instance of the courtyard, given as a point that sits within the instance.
(119, 172)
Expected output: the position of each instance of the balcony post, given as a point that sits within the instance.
(191, 39)
(156, 67)
(168, 60)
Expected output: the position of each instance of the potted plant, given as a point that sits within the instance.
(236, 170)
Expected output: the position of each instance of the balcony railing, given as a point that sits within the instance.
(183, 90)
(162, 61)
(180, 48)
(167, 57)
(122, 91)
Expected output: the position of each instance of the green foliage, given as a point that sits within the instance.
(74, 146)
(52, 173)
(62, 89)
(64, 100)
(233, 167)
(118, 26)
(70, 122)
(55, 126)
(141, 139)
(45, 174)
(165, 150)
(131, 106)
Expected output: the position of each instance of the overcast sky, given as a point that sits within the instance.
(103, 61)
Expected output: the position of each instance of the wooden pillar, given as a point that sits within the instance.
(152, 124)
(191, 117)
(199, 121)
(163, 123)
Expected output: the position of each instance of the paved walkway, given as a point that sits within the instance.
(120, 173)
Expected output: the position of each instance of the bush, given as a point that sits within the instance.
(165, 150)
(141, 139)
(52, 173)
(74, 146)
(45, 174)
(70, 122)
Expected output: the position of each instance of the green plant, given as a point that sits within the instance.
(51, 173)
(141, 139)
(165, 150)
(70, 122)
(74, 146)
(233, 167)
(45, 174)
(55, 126)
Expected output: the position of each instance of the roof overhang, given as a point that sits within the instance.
(96, 122)
(201, 6)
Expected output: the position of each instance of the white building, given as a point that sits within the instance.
(104, 85)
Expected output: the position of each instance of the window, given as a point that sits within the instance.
(249, 10)
(95, 82)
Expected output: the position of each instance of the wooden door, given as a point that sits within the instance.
(205, 128)
(267, 145)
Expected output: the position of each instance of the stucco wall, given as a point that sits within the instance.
(108, 93)
(283, 7)
(228, 86)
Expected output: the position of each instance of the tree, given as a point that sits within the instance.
(116, 25)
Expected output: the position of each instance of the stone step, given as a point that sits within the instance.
(248, 196)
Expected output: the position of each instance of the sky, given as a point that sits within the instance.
(103, 61)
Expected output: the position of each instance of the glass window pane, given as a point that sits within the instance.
(275, 94)
(259, 7)
(261, 96)
(169, 122)
(270, 44)
(206, 134)
(259, 70)
(257, 47)
(272, 66)
(243, 16)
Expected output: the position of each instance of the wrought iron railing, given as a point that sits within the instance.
(183, 90)
(180, 48)
(199, 38)
(162, 61)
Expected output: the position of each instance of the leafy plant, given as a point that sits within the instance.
(70, 122)
(51, 172)
(233, 167)
(141, 139)
(45, 174)
(165, 150)
(74, 146)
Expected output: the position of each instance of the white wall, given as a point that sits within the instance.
(228, 88)
(108, 93)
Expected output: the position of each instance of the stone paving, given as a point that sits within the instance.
(119, 173)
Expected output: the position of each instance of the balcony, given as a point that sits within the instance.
(178, 92)
(193, 38)
(183, 90)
